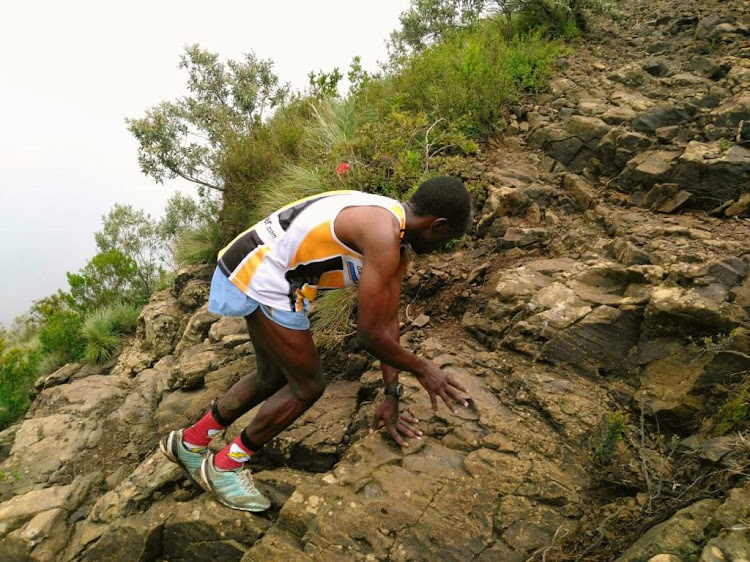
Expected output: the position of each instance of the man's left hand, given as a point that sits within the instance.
(399, 426)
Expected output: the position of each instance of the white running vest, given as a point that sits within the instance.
(291, 254)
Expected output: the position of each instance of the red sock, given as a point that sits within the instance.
(199, 435)
(233, 456)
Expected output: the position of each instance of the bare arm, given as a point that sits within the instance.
(376, 233)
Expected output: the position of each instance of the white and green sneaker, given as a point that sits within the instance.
(189, 459)
(233, 488)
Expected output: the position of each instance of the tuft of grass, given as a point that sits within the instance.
(334, 124)
(332, 316)
(200, 245)
(103, 330)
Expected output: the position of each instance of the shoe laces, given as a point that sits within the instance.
(246, 481)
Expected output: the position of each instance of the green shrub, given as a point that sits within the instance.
(18, 371)
(471, 78)
(610, 433)
(60, 335)
(103, 330)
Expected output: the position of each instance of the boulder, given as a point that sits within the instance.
(682, 535)
(673, 311)
(712, 181)
(662, 116)
(599, 343)
(156, 335)
(648, 168)
(315, 441)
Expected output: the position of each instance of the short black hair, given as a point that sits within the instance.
(444, 197)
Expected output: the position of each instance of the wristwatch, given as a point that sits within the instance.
(396, 390)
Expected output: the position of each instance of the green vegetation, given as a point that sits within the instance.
(17, 375)
(104, 328)
(610, 433)
(734, 414)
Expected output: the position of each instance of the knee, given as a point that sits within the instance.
(308, 389)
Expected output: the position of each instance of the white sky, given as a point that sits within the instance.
(71, 72)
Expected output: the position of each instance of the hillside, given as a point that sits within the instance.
(599, 314)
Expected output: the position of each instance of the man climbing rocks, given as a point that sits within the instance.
(271, 272)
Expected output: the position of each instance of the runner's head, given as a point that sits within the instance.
(446, 202)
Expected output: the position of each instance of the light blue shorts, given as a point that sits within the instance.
(226, 299)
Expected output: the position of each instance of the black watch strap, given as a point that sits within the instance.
(396, 390)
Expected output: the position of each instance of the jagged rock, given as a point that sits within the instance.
(197, 329)
(129, 496)
(227, 326)
(720, 179)
(664, 198)
(202, 272)
(733, 117)
(502, 202)
(522, 237)
(193, 366)
(631, 75)
(520, 282)
(739, 208)
(682, 312)
(682, 535)
(649, 168)
(33, 525)
(581, 190)
(662, 116)
(156, 335)
(572, 144)
(618, 147)
(315, 441)
(627, 253)
(44, 446)
(658, 66)
(61, 376)
(194, 295)
(601, 341)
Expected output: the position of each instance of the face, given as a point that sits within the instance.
(433, 239)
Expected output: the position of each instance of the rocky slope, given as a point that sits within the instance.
(599, 316)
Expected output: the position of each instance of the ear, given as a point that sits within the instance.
(439, 226)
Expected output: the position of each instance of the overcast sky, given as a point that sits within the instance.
(71, 72)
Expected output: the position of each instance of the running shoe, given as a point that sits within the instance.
(233, 488)
(189, 459)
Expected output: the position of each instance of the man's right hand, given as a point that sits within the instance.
(438, 383)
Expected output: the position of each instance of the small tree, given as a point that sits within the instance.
(108, 277)
(187, 138)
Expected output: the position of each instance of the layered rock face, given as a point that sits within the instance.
(599, 316)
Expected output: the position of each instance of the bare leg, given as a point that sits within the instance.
(295, 355)
(252, 389)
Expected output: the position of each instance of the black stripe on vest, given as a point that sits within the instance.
(288, 215)
(310, 273)
(238, 251)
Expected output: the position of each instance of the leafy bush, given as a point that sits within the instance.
(60, 335)
(103, 330)
(18, 371)
(470, 79)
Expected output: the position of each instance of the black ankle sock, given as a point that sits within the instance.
(254, 447)
(218, 417)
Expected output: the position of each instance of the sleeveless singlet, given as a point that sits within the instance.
(287, 257)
